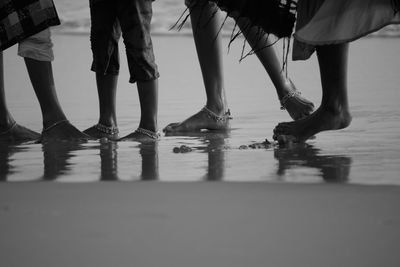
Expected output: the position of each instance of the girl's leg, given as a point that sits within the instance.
(55, 124)
(142, 66)
(106, 91)
(208, 47)
(105, 33)
(148, 99)
(10, 131)
(296, 106)
(333, 113)
(6, 120)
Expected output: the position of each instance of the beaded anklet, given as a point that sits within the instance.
(111, 130)
(287, 97)
(54, 125)
(9, 129)
(152, 135)
(212, 115)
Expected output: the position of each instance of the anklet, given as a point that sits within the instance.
(106, 129)
(152, 135)
(226, 116)
(287, 97)
(9, 129)
(53, 125)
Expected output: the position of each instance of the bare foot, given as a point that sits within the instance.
(63, 130)
(204, 119)
(18, 134)
(297, 106)
(321, 120)
(97, 133)
(142, 135)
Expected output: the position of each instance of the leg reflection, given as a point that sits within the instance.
(213, 143)
(6, 151)
(149, 153)
(109, 161)
(332, 168)
(57, 155)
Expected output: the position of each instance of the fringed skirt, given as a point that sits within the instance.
(324, 22)
(20, 19)
(275, 17)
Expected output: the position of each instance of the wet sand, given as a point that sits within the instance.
(198, 224)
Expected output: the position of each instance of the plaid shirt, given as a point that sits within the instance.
(20, 19)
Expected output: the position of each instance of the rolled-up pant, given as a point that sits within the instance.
(131, 18)
(37, 46)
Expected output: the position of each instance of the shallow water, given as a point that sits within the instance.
(368, 152)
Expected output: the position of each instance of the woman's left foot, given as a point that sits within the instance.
(142, 135)
(63, 130)
(297, 106)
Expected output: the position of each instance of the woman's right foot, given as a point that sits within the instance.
(16, 133)
(204, 119)
(323, 119)
(100, 131)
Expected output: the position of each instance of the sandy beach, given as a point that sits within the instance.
(332, 202)
(198, 224)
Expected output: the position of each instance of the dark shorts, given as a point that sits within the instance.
(131, 18)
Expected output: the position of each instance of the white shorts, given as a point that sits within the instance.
(38, 47)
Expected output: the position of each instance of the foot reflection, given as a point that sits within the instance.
(215, 146)
(109, 161)
(57, 155)
(149, 153)
(6, 152)
(332, 168)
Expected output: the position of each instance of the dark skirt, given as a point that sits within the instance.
(20, 19)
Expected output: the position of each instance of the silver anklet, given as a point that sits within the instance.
(152, 135)
(287, 97)
(226, 116)
(106, 129)
(53, 125)
(9, 129)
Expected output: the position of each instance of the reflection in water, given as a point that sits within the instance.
(333, 168)
(6, 151)
(57, 155)
(214, 146)
(108, 161)
(149, 154)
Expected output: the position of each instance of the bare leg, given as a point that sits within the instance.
(333, 113)
(210, 58)
(148, 98)
(297, 106)
(55, 123)
(9, 130)
(106, 89)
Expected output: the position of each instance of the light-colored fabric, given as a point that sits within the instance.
(323, 22)
(37, 46)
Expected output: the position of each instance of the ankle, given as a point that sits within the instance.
(150, 126)
(109, 122)
(217, 107)
(48, 121)
(6, 123)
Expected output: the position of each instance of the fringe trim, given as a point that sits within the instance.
(283, 11)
